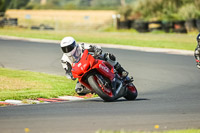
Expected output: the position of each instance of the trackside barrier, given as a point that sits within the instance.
(166, 26)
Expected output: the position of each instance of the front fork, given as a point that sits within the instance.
(115, 85)
(101, 80)
(118, 85)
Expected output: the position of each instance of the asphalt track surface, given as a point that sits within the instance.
(168, 85)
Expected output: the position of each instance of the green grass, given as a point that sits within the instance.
(17, 84)
(174, 131)
(161, 40)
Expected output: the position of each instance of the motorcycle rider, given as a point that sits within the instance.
(73, 51)
(197, 52)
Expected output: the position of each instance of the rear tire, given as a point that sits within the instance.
(131, 92)
(108, 97)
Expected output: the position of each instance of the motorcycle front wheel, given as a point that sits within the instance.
(131, 92)
(105, 93)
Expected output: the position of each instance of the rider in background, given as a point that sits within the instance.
(73, 51)
(197, 52)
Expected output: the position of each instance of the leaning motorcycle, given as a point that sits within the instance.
(100, 78)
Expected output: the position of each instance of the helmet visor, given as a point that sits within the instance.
(69, 48)
(76, 55)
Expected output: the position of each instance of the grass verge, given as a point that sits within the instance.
(174, 131)
(18, 85)
(163, 40)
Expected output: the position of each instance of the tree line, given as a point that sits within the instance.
(64, 4)
(129, 9)
(166, 9)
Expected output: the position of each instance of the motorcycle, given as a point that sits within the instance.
(100, 78)
(197, 56)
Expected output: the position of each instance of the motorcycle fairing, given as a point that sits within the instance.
(106, 69)
(79, 68)
(88, 62)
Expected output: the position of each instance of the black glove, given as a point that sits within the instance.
(109, 56)
(97, 51)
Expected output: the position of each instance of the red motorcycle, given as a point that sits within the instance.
(100, 77)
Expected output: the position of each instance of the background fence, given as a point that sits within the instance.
(62, 19)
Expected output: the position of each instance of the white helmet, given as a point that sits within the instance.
(71, 48)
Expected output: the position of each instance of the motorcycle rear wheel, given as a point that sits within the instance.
(99, 90)
(131, 92)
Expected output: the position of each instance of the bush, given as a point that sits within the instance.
(2, 7)
(149, 9)
(18, 4)
(188, 11)
(167, 10)
(125, 12)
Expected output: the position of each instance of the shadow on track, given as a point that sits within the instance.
(118, 100)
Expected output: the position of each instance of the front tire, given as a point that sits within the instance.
(131, 92)
(103, 92)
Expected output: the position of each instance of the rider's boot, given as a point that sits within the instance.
(123, 72)
(112, 60)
